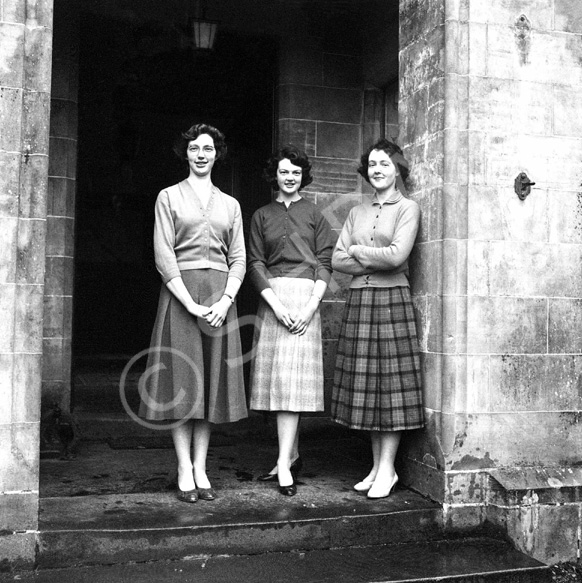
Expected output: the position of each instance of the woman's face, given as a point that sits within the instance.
(381, 170)
(288, 177)
(201, 155)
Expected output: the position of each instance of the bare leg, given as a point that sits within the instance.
(287, 425)
(182, 437)
(294, 450)
(386, 474)
(202, 431)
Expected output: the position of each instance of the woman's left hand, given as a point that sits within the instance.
(217, 313)
(303, 318)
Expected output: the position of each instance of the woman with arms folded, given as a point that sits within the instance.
(377, 381)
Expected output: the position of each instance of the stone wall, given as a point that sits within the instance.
(25, 82)
(489, 91)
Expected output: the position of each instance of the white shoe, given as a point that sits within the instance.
(363, 486)
(379, 492)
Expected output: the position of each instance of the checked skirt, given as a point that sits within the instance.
(377, 380)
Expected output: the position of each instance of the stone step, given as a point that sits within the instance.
(119, 528)
(477, 560)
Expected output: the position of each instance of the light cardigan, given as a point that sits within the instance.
(188, 236)
(376, 241)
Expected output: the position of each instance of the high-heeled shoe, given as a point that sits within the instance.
(206, 494)
(363, 486)
(288, 490)
(382, 493)
(189, 496)
(295, 468)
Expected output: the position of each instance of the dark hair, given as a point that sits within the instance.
(295, 156)
(392, 150)
(181, 145)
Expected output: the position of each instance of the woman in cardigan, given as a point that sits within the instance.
(194, 373)
(377, 382)
(290, 250)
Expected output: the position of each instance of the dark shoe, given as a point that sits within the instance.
(189, 496)
(288, 490)
(206, 494)
(295, 468)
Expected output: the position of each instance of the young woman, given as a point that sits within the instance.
(290, 250)
(377, 382)
(194, 371)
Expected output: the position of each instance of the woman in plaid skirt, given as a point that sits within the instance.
(377, 381)
(290, 248)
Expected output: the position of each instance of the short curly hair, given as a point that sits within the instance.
(181, 145)
(295, 156)
(392, 150)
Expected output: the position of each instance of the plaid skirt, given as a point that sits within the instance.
(287, 370)
(194, 371)
(377, 380)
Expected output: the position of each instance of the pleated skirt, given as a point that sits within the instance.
(287, 369)
(194, 371)
(377, 380)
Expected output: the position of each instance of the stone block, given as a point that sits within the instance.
(546, 533)
(60, 236)
(567, 16)
(28, 316)
(418, 17)
(19, 511)
(61, 158)
(331, 318)
(35, 122)
(565, 326)
(300, 64)
(299, 132)
(506, 325)
(37, 58)
(521, 382)
(454, 324)
(18, 550)
(56, 392)
(53, 361)
(338, 286)
(19, 457)
(342, 71)
(465, 487)
(59, 276)
(6, 388)
(479, 387)
(8, 236)
(7, 300)
(58, 316)
(9, 176)
(13, 11)
(565, 217)
(63, 120)
(30, 249)
(329, 352)
(320, 103)
(12, 43)
(422, 61)
(26, 396)
(11, 118)
(61, 197)
(425, 273)
(431, 375)
(331, 175)
(373, 105)
(335, 140)
(567, 111)
(336, 207)
(33, 186)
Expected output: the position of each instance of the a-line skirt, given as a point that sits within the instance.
(287, 369)
(194, 371)
(377, 381)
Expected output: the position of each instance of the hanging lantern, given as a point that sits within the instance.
(204, 32)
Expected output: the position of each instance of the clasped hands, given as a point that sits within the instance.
(215, 315)
(296, 323)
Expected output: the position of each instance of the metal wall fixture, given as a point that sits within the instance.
(522, 185)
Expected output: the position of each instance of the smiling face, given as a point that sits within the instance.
(288, 177)
(381, 170)
(201, 155)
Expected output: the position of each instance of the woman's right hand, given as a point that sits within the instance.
(198, 310)
(282, 314)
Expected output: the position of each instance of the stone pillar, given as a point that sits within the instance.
(487, 92)
(25, 49)
(58, 292)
